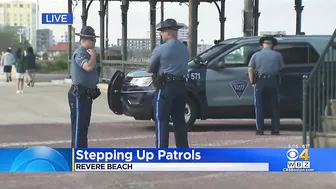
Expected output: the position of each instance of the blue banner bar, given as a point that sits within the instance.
(45, 159)
(57, 18)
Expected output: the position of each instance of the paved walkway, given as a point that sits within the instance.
(45, 103)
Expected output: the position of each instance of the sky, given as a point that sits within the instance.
(318, 17)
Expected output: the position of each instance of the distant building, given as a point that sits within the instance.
(20, 14)
(136, 43)
(44, 39)
(61, 48)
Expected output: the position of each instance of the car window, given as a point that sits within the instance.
(239, 56)
(211, 52)
(297, 53)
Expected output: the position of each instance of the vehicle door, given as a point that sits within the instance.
(227, 83)
(114, 92)
(300, 59)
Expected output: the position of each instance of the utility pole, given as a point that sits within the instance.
(107, 18)
(70, 38)
(248, 18)
(162, 17)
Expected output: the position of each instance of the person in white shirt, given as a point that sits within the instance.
(8, 60)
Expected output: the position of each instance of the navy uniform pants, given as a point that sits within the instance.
(267, 88)
(169, 102)
(80, 113)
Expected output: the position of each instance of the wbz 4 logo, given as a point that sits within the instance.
(293, 155)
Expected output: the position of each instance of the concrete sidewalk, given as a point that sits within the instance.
(46, 102)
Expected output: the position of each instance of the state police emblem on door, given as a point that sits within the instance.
(239, 87)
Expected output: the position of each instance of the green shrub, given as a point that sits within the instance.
(52, 66)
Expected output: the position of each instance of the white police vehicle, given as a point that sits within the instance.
(218, 85)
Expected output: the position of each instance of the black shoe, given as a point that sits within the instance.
(259, 132)
(275, 132)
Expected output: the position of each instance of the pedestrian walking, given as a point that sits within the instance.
(169, 65)
(1, 60)
(8, 60)
(20, 70)
(84, 87)
(263, 74)
(30, 63)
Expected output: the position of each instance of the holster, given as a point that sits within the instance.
(157, 81)
(83, 92)
(255, 78)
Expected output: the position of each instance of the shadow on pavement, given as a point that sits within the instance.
(210, 127)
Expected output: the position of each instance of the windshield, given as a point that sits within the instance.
(211, 53)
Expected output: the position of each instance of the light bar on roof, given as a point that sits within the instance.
(272, 33)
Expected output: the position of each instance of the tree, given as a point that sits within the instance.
(8, 38)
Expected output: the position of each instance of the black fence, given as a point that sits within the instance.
(319, 88)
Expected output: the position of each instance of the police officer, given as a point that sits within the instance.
(263, 74)
(170, 62)
(83, 90)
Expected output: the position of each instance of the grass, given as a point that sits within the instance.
(52, 66)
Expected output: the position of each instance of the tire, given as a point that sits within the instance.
(192, 111)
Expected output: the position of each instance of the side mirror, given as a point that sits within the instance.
(221, 64)
(197, 60)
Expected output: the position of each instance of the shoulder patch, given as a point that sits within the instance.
(239, 87)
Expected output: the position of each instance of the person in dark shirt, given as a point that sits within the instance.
(30, 63)
(20, 70)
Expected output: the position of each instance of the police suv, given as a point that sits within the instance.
(217, 81)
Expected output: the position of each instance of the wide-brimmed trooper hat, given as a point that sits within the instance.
(268, 39)
(87, 31)
(169, 24)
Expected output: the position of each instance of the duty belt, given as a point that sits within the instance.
(169, 77)
(83, 92)
(265, 76)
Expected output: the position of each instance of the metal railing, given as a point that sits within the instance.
(109, 67)
(318, 90)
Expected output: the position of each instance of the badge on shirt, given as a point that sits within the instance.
(239, 87)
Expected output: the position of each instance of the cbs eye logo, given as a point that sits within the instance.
(40, 159)
(293, 154)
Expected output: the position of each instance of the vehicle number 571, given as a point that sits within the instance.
(195, 76)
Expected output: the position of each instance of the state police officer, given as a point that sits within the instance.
(83, 90)
(169, 61)
(263, 74)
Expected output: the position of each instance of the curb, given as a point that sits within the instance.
(57, 82)
(103, 87)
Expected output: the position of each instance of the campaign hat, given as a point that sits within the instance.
(87, 31)
(169, 24)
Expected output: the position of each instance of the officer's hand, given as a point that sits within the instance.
(92, 52)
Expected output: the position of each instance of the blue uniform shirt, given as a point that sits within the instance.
(266, 61)
(80, 76)
(170, 58)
